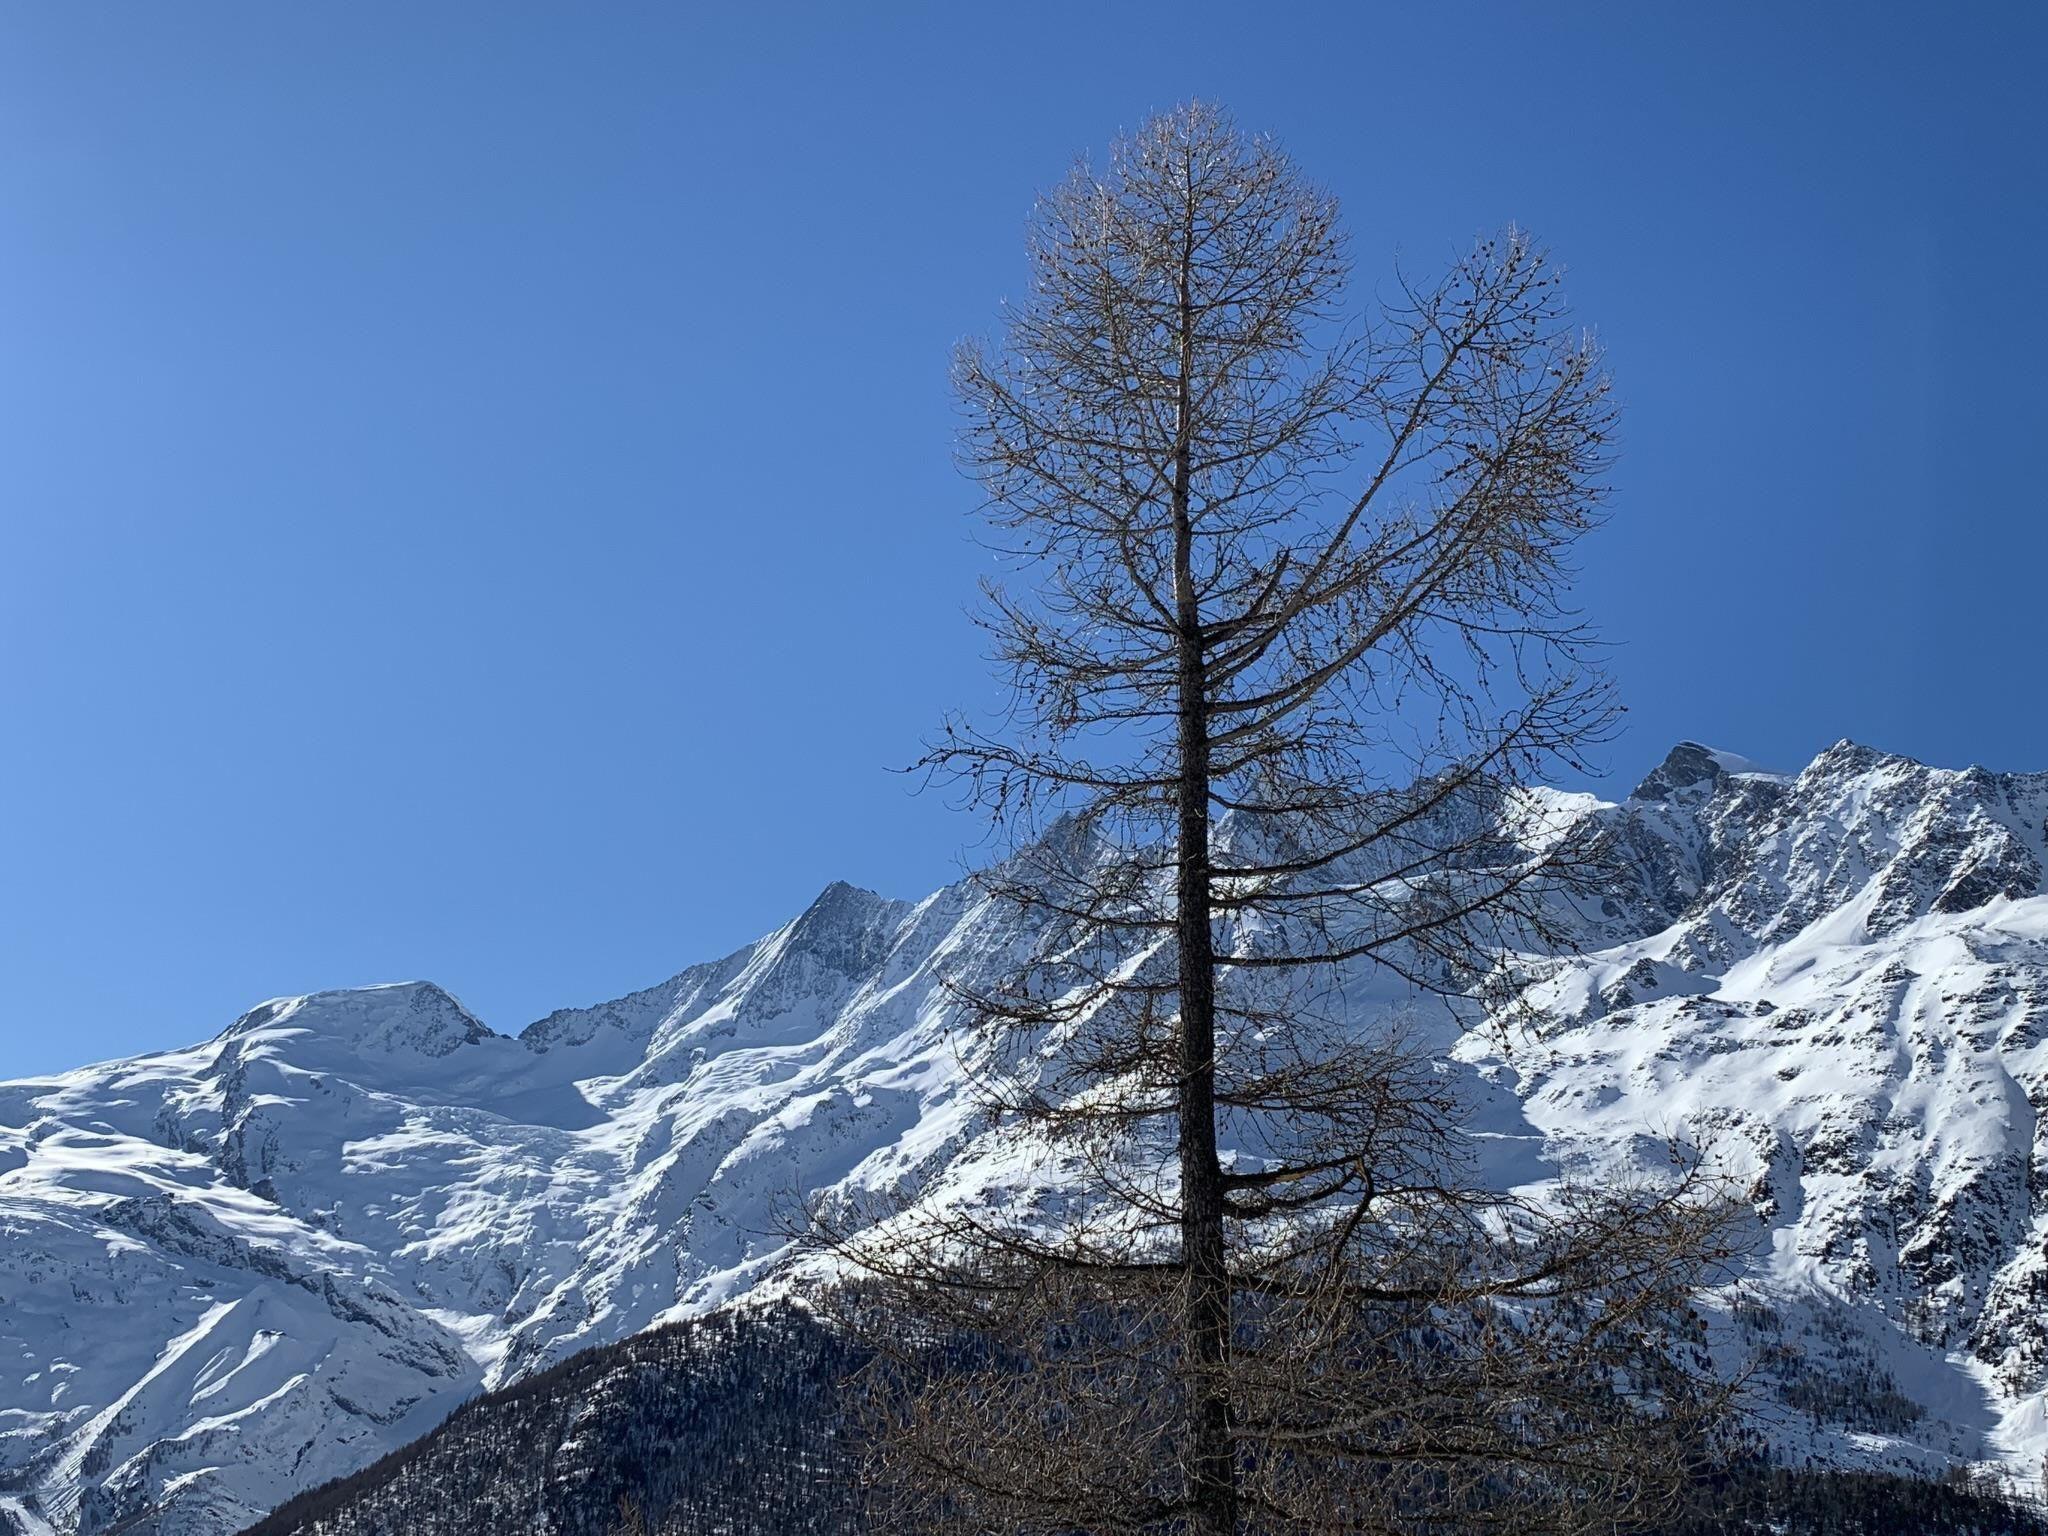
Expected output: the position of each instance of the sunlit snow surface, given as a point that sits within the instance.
(232, 1271)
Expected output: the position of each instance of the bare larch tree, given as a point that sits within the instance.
(1287, 646)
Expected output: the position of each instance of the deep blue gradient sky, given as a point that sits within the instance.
(475, 482)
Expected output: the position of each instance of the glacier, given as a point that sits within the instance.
(232, 1271)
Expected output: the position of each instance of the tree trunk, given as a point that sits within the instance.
(1212, 1461)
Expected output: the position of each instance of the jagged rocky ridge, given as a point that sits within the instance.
(231, 1272)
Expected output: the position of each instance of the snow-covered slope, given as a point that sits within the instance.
(231, 1271)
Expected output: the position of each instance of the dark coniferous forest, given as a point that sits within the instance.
(735, 1425)
(728, 1426)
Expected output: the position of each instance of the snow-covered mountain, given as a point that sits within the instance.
(232, 1271)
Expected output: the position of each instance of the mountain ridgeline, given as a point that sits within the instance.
(234, 1272)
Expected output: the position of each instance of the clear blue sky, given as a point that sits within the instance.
(475, 493)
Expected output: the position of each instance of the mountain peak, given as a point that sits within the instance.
(841, 906)
(847, 928)
(399, 1015)
(841, 895)
(1690, 763)
(1853, 756)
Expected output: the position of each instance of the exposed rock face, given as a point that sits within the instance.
(232, 1271)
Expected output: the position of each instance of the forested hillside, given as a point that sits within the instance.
(735, 1425)
(729, 1425)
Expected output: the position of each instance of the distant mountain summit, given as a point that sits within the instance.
(233, 1271)
(1690, 765)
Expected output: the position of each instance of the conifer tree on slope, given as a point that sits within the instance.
(1287, 642)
